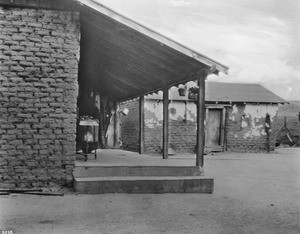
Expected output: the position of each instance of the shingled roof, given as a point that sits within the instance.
(240, 92)
(230, 92)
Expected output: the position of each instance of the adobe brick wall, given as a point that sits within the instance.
(245, 128)
(182, 126)
(182, 136)
(130, 126)
(39, 53)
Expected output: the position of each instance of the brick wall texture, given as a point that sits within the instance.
(130, 126)
(39, 52)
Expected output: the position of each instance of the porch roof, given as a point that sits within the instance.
(124, 59)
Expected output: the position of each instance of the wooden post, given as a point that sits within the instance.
(141, 125)
(200, 120)
(222, 136)
(165, 123)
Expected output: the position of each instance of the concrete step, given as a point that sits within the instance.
(145, 184)
(98, 171)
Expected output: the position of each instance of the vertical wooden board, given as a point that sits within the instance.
(200, 143)
(165, 123)
(142, 124)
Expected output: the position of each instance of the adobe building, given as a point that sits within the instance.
(239, 118)
(61, 60)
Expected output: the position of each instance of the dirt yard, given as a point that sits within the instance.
(254, 193)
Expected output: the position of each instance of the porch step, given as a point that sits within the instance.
(108, 171)
(144, 184)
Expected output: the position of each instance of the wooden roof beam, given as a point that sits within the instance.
(152, 34)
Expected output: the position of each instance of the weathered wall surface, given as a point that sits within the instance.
(182, 126)
(153, 126)
(246, 127)
(39, 53)
(130, 126)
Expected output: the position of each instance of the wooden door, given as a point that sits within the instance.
(213, 128)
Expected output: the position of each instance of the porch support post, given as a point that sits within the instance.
(200, 119)
(142, 125)
(165, 123)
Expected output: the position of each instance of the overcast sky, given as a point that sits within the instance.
(258, 39)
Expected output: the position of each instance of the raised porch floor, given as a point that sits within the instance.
(119, 171)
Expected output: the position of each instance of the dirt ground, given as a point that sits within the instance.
(254, 193)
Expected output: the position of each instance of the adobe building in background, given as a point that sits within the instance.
(61, 60)
(239, 118)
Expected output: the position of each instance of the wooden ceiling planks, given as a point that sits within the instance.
(124, 35)
(140, 51)
(120, 60)
(101, 9)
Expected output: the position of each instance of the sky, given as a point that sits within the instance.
(258, 39)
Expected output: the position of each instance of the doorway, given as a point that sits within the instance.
(214, 129)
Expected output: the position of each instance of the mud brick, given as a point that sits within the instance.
(10, 63)
(5, 37)
(43, 32)
(44, 45)
(40, 54)
(23, 115)
(45, 131)
(24, 74)
(23, 147)
(48, 60)
(18, 37)
(34, 38)
(49, 39)
(32, 59)
(25, 53)
(25, 30)
(34, 24)
(9, 137)
(19, 23)
(23, 126)
(7, 147)
(17, 58)
(9, 30)
(32, 48)
(17, 48)
(26, 63)
(48, 50)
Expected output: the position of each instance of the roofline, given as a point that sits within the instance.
(220, 102)
(153, 34)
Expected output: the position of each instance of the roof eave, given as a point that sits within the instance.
(154, 35)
